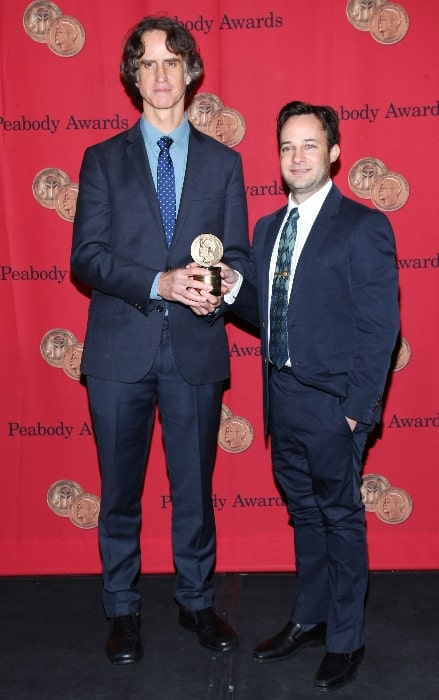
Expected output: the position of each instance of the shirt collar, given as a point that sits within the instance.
(180, 135)
(313, 204)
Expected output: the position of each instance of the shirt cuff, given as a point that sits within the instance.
(153, 293)
(230, 297)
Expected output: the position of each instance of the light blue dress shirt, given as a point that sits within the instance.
(178, 152)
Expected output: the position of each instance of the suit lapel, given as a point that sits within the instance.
(195, 164)
(138, 159)
(321, 229)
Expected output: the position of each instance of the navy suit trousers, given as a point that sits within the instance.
(317, 460)
(123, 416)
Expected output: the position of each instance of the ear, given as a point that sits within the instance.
(334, 153)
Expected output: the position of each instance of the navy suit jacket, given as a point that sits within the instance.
(343, 314)
(119, 246)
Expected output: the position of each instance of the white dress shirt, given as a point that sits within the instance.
(308, 212)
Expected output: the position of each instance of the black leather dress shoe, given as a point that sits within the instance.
(124, 644)
(213, 632)
(338, 669)
(289, 641)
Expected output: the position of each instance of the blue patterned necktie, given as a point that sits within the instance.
(166, 187)
(279, 292)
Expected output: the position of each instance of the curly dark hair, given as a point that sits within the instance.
(178, 41)
(327, 117)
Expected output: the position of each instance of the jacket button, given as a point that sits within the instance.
(159, 307)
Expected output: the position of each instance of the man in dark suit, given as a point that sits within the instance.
(155, 335)
(323, 389)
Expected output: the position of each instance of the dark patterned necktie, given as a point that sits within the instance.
(166, 187)
(279, 292)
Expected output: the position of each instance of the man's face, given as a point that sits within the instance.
(162, 75)
(304, 158)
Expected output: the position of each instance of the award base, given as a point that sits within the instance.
(212, 277)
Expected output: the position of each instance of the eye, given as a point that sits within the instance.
(147, 64)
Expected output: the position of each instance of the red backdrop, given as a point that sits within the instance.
(54, 102)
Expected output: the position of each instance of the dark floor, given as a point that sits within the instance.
(53, 635)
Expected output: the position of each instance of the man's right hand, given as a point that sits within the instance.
(229, 278)
(180, 285)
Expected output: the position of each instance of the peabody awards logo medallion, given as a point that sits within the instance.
(403, 356)
(363, 174)
(84, 510)
(61, 494)
(37, 17)
(71, 361)
(370, 179)
(44, 22)
(61, 349)
(67, 499)
(390, 191)
(391, 505)
(208, 114)
(65, 201)
(53, 189)
(47, 184)
(225, 413)
(235, 433)
(387, 22)
(207, 251)
(359, 12)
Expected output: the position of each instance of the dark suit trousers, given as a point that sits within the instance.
(317, 462)
(123, 416)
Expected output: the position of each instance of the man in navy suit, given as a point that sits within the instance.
(155, 335)
(322, 400)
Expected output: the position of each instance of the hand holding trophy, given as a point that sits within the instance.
(207, 251)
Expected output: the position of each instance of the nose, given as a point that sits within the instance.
(160, 73)
(298, 155)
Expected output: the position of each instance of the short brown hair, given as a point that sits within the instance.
(327, 117)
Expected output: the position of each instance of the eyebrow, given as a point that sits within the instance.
(310, 140)
(170, 57)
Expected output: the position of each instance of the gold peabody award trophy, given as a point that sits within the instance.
(207, 251)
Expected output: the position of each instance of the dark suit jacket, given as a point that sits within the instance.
(119, 246)
(343, 315)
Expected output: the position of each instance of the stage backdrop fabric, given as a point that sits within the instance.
(61, 92)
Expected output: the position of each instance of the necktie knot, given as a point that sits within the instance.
(294, 214)
(165, 143)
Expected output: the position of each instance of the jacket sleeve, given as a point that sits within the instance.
(374, 285)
